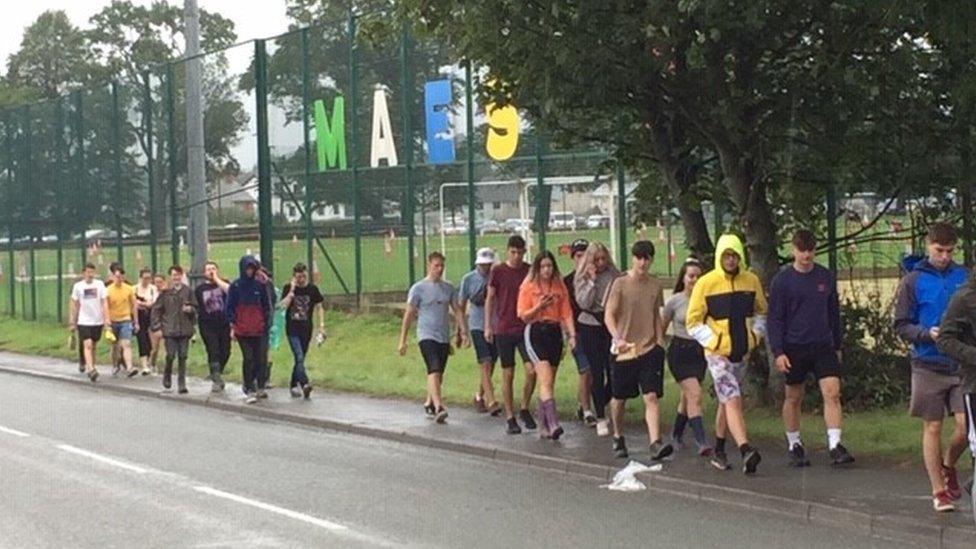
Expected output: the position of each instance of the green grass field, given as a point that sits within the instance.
(360, 357)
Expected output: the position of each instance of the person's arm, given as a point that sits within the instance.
(695, 319)
(320, 305)
(489, 309)
(906, 313)
(658, 304)
(156, 315)
(134, 303)
(105, 314)
(667, 315)
(610, 317)
(778, 303)
(566, 315)
(955, 324)
(759, 320)
(585, 288)
(833, 312)
(230, 308)
(222, 284)
(408, 315)
(72, 312)
(289, 293)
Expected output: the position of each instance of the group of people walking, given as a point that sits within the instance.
(167, 313)
(614, 325)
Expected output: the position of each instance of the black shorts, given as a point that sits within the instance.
(817, 359)
(686, 359)
(93, 333)
(435, 355)
(544, 343)
(640, 376)
(506, 345)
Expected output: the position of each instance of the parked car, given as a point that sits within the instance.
(459, 226)
(597, 221)
(562, 221)
(515, 225)
(489, 226)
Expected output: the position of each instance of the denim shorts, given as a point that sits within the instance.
(582, 362)
(122, 330)
(484, 351)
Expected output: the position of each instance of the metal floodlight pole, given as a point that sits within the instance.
(117, 171)
(171, 162)
(147, 117)
(196, 164)
(306, 128)
(265, 215)
(469, 118)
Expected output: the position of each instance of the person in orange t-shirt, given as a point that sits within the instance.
(543, 304)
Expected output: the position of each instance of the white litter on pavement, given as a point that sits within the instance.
(625, 479)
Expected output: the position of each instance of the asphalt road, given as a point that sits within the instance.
(81, 467)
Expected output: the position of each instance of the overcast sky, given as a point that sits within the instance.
(252, 18)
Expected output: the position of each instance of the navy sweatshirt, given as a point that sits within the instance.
(803, 309)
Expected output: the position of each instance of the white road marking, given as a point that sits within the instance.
(315, 521)
(13, 432)
(104, 459)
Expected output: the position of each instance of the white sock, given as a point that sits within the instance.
(833, 438)
(792, 439)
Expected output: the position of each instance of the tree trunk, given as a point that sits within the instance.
(681, 183)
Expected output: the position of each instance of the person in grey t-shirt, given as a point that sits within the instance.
(471, 300)
(686, 359)
(433, 301)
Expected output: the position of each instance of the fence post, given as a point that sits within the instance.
(11, 270)
(306, 127)
(622, 215)
(265, 215)
(543, 195)
(832, 228)
(406, 75)
(82, 177)
(147, 117)
(670, 242)
(469, 113)
(29, 200)
(354, 114)
(62, 214)
(171, 158)
(117, 172)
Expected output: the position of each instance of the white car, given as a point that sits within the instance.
(597, 221)
(562, 221)
(515, 225)
(489, 226)
(460, 226)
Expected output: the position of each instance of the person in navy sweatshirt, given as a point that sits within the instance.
(249, 311)
(805, 336)
(922, 298)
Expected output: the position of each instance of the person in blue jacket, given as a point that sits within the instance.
(249, 311)
(921, 300)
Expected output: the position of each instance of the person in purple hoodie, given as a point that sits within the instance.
(249, 312)
(804, 333)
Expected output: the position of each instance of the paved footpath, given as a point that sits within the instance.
(869, 497)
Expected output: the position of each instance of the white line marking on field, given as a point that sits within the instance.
(104, 459)
(315, 521)
(13, 432)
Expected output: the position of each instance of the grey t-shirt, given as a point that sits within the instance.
(677, 310)
(433, 301)
(472, 284)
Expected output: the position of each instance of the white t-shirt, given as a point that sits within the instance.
(89, 297)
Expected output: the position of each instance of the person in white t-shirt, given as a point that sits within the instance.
(89, 315)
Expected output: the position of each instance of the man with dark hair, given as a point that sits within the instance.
(804, 324)
(89, 316)
(249, 311)
(433, 301)
(506, 331)
(301, 300)
(211, 295)
(922, 298)
(173, 314)
(123, 313)
(633, 317)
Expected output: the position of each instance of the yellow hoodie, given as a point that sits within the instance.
(727, 312)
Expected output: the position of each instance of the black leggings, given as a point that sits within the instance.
(217, 341)
(142, 336)
(596, 346)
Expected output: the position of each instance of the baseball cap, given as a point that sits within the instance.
(643, 249)
(486, 256)
(579, 245)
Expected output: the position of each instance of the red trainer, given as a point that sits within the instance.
(951, 477)
(942, 502)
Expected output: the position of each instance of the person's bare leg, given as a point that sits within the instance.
(652, 417)
(833, 412)
(617, 408)
(487, 388)
(546, 375)
(434, 389)
(735, 420)
(957, 445)
(583, 391)
(721, 425)
(792, 401)
(682, 403)
(691, 398)
(529, 387)
(508, 379)
(127, 354)
(89, 355)
(932, 453)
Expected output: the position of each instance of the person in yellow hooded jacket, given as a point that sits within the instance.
(727, 316)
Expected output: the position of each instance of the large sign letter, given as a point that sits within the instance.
(330, 139)
(382, 146)
(440, 144)
(503, 131)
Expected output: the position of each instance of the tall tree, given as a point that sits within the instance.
(53, 56)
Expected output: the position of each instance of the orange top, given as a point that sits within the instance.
(531, 294)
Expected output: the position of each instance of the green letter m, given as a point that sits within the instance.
(330, 139)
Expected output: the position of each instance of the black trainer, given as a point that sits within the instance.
(798, 456)
(579, 413)
(720, 461)
(750, 461)
(430, 410)
(659, 450)
(527, 419)
(307, 391)
(513, 427)
(441, 416)
(840, 455)
(619, 447)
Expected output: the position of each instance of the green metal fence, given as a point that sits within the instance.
(357, 156)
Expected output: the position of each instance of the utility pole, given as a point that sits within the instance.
(196, 167)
